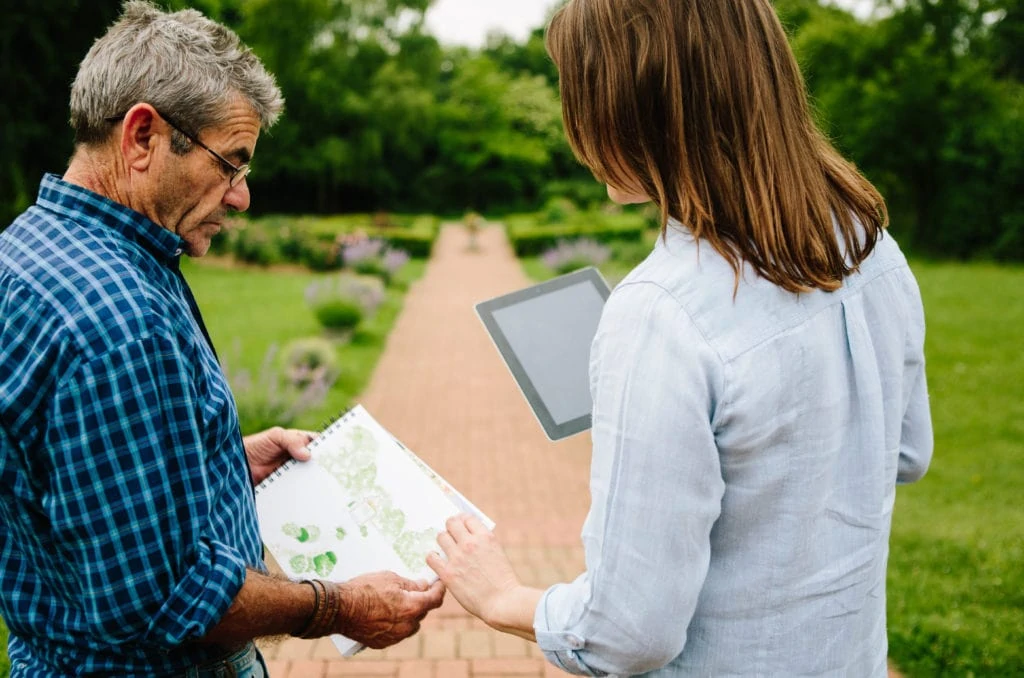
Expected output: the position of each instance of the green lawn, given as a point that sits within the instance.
(956, 585)
(249, 310)
(5, 666)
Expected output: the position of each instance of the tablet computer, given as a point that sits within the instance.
(543, 333)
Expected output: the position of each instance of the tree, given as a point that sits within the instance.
(914, 98)
(41, 44)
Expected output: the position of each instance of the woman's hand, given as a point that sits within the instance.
(478, 573)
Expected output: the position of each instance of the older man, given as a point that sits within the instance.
(128, 536)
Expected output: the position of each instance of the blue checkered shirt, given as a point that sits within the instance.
(127, 519)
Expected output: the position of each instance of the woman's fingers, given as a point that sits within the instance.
(457, 528)
(446, 542)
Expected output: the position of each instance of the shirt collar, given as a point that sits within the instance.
(82, 205)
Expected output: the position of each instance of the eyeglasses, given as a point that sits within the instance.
(236, 173)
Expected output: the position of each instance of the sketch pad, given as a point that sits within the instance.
(363, 503)
(544, 333)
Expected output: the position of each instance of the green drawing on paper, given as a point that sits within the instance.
(413, 547)
(301, 534)
(324, 563)
(353, 464)
(340, 533)
(321, 563)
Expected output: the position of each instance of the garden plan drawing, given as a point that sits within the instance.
(363, 503)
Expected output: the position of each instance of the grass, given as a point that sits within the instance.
(248, 310)
(5, 665)
(956, 586)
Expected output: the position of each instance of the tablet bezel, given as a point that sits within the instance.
(485, 311)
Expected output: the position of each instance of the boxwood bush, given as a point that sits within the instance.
(316, 242)
(532, 234)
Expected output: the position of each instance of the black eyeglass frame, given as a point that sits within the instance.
(238, 172)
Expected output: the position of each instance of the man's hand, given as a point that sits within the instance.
(382, 608)
(273, 447)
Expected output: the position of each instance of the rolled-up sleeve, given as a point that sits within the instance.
(656, 487)
(130, 508)
(916, 437)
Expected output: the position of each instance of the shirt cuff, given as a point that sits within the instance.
(560, 647)
(202, 597)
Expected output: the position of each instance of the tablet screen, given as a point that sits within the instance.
(544, 334)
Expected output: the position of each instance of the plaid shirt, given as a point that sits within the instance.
(127, 519)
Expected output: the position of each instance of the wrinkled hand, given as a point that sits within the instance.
(381, 608)
(271, 448)
(478, 573)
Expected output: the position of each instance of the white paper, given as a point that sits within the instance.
(363, 503)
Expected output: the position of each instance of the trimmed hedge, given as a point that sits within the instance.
(531, 235)
(315, 242)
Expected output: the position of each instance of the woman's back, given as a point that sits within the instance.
(807, 400)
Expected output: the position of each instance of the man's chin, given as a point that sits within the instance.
(196, 249)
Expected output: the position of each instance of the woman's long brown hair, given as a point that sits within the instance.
(700, 105)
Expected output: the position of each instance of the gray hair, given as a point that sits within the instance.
(182, 63)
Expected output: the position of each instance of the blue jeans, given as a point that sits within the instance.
(245, 663)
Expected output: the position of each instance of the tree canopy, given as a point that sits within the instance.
(926, 96)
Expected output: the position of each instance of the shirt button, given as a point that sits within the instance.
(178, 252)
(575, 642)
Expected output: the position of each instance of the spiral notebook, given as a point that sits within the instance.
(363, 503)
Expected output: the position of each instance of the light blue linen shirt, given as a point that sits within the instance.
(746, 453)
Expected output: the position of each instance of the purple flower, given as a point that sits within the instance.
(367, 291)
(394, 260)
(569, 255)
(358, 252)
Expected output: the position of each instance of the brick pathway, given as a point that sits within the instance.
(442, 389)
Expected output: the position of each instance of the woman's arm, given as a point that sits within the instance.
(656, 489)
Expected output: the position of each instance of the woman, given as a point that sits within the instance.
(758, 381)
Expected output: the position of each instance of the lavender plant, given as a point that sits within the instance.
(309, 360)
(360, 252)
(372, 257)
(340, 302)
(569, 255)
(272, 398)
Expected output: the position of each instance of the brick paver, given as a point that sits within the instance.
(442, 389)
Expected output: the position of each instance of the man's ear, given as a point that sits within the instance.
(139, 134)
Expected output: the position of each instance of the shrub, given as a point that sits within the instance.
(342, 301)
(320, 256)
(371, 257)
(584, 192)
(256, 246)
(630, 253)
(359, 252)
(558, 210)
(308, 360)
(272, 399)
(531, 235)
(416, 244)
(339, 314)
(570, 255)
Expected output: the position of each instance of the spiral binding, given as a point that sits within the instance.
(328, 426)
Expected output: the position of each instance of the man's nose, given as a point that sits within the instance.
(237, 197)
